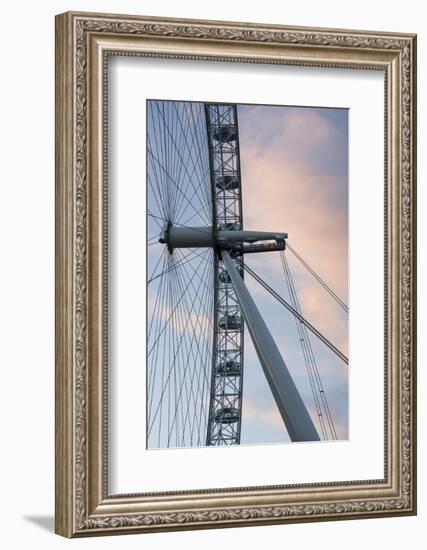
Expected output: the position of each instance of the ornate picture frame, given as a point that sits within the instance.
(84, 42)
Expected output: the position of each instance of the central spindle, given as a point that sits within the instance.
(206, 237)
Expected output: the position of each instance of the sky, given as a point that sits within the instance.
(294, 177)
(294, 169)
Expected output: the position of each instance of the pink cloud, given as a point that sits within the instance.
(285, 192)
(254, 410)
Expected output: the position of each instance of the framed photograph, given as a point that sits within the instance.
(235, 274)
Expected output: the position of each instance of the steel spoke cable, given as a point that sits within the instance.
(175, 337)
(162, 255)
(185, 279)
(178, 166)
(189, 202)
(163, 389)
(202, 172)
(157, 318)
(182, 160)
(305, 343)
(171, 334)
(192, 308)
(184, 224)
(163, 157)
(158, 295)
(165, 362)
(156, 219)
(168, 269)
(198, 141)
(176, 170)
(179, 355)
(204, 403)
(204, 207)
(156, 162)
(299, 316)
(196, 274)
(151, 167)
(155, 187)
(162, 370)
(183, 400)
(167, 179)
(156, 322)
(160, 178)
(322, 393)
(164, 327)
(157, 134)
(198, 359)
(201, 129)
(174, 222)
(178, 374)
(324, 400)
(158, 313)
(170, 370)
(180, 210)
(157, 303)
(174, 266)
(154, 240)
(204, 161)
(159, 352)
(163, 347)
(190, 157)
(151, 175)
(318, 278)
(177, 366)
(316, 372)
(196, 186)
(189, 281)
(186, 398)
(153, 237)
(167, 159)
(205, 354)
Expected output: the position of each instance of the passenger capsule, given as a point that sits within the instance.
(227, 182)
(227, 415)
(230, 322)
(229, 226)
(224, 276)
(224, 133)
(228, 368)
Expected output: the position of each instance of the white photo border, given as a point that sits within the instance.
(132, 80)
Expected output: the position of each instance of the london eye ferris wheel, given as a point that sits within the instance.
(200, 310)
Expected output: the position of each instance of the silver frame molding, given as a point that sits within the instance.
(83, 43)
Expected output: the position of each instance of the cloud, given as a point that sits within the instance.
(269, 417)
(254, 410)
(287, 187)
(294, 179)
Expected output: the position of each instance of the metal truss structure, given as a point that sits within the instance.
(225, 406)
